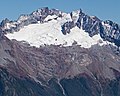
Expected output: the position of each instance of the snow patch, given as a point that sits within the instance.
(22, 18)
(9, 25)
(75, 15)
(49, 17)
(66, 17)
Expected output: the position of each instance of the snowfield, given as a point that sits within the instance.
(50, 33)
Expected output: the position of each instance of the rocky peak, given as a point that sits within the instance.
(111, 32)
(108, 30)
(4, 22)
(88, 23)
(42, 13)
(27, 19)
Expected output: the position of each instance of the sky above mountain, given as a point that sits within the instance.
(104, 9)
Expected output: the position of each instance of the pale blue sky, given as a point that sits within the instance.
(104, 9)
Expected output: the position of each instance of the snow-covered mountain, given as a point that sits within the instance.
(53, 53)
(51, 26)
(50, 33)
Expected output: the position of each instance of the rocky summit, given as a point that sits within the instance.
(53, 53)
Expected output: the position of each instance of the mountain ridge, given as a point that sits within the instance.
(108, 30)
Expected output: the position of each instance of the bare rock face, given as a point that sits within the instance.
(58, 71)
